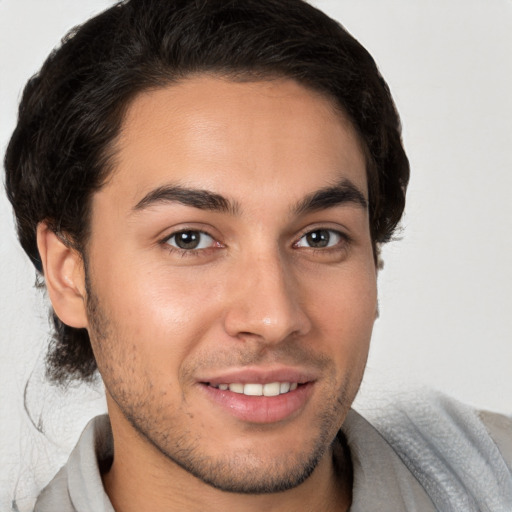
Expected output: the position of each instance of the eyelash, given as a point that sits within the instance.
(343, 240)
(341, 244)
(189, 252)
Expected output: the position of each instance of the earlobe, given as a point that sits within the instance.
(64, 277)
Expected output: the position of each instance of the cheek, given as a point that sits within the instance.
(164, 313)
(344, 310)
(348, 316)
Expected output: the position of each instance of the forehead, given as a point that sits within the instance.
(276, 138)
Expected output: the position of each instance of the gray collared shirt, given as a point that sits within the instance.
(433, 455)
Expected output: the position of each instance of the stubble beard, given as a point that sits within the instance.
(244, 473)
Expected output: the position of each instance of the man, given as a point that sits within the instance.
(204, 186)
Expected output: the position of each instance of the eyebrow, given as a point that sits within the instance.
(328, 197)
(196, 198)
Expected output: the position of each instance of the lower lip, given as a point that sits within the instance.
(261, 409)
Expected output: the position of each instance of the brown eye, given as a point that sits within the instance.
(190, 240)
(319, 239)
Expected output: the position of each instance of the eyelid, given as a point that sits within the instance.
(202, 234)
(338, 235)
(197, 227)
(339, 230)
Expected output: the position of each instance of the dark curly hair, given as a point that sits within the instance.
(71, 111)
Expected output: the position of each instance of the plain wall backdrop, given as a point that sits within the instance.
(445, 291)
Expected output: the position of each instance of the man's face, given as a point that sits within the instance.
(232, 285)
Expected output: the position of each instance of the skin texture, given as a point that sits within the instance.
(256, 298)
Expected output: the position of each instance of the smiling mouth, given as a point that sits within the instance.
(255, 389)
(256, 399)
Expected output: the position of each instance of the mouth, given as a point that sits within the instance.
(261, 396)
(257, 389)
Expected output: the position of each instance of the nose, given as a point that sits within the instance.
(265, 301)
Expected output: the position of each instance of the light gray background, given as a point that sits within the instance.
(445, 290)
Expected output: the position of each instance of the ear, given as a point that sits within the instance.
(64, 277)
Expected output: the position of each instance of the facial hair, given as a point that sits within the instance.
(147, 412)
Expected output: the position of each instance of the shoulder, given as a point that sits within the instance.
(78, 487)
(461, 456)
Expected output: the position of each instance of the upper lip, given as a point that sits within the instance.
(257, 375)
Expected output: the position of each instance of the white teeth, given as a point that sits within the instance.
(271, 389)
(284, 387)
(237, 388)
(253, 389)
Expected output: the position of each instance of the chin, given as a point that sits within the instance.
(251, 473)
